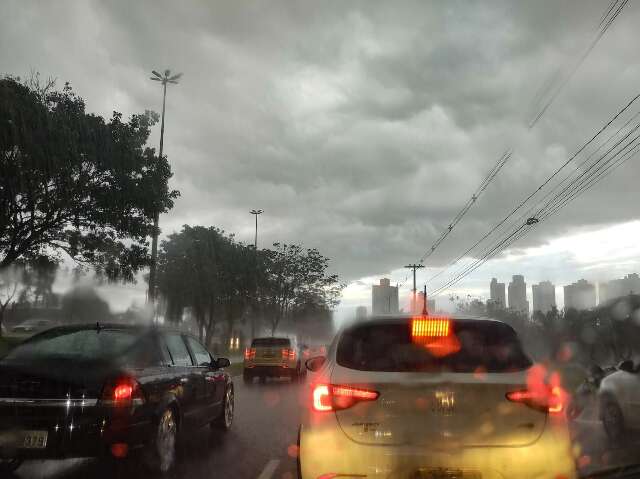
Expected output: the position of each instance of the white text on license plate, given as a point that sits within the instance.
(34, 439)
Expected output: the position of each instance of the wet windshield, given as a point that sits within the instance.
(297, 239)
(80, 345)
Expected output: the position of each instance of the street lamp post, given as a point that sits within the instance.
(255, 272)
(256, 213)
(164, 79)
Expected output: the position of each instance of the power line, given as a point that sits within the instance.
(534, 192)
(523, 229)
(467, 206)
(470, 202)
(578, 186)
(608, 20)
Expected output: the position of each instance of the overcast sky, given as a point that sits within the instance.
(361, 128)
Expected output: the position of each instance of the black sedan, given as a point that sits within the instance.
(108, 390)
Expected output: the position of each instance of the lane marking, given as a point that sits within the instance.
(270, 469)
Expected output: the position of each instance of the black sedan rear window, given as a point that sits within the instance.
(271, 342)
(80, 344)
(480, 346)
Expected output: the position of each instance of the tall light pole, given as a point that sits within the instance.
(256, 213)
(164, 79)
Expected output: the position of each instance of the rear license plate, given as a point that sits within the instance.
(445, 473)
(34, 439)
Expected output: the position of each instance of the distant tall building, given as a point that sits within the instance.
(630, 284)
(384, 298)
(544, 296)
(431, 306)
(361, 312)
(497, 294)
(518, 294)
(580, 295)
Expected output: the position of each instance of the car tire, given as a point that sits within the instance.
(162, 450)
(294, 375)
(247, 378)
(612, 420)
(7, 466)
(225, 420)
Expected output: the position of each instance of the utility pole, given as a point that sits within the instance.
(414, 267)
(255, 273)
(164, 79)
(425, 312)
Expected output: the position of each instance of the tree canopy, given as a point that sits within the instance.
(204, 271)
(73, 182)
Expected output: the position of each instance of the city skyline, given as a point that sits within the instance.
(544, 293)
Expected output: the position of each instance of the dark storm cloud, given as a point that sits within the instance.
(362, 127)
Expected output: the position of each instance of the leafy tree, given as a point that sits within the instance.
(37, 281)
(293, 277)
(84, 305)
(203, 270)
(10, 282)
(73, 182)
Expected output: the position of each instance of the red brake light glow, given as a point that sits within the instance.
(249, 353)
(288, 354)
(122, 392)
(430, 327)
(436, 334)
(547, 399)
(321, 398)
(329, 397)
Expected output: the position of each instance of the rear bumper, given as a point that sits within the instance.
(325, 450)
(89, 432)
(270, 370)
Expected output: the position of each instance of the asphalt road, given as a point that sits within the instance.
(261, 444)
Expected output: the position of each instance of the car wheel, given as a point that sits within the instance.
(247, 378)
(225, 420)
(164, 446)
(612, 420)
(9, 465)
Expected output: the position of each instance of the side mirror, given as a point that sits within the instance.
(315, 364)
(222, 363)
(626, 366)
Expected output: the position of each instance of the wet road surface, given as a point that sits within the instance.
(262, 444)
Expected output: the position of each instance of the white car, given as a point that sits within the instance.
(429, 398)
(619, 398)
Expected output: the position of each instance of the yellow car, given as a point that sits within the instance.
(273, 357)
(430, 398)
